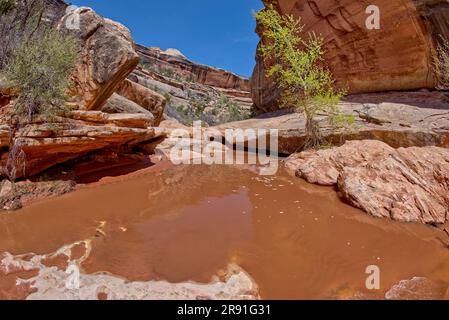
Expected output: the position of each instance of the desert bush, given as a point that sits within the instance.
(168, 98)
(40, 71)
(231, 110)
(441, 64)
(296, 66)
(6, 6)
(20, 22)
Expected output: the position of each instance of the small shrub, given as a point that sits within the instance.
(231, 110)
(6, 6)
(41, 70)
(168, 98)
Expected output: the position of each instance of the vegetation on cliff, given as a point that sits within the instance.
(36, 59)
(40, 70)
(6, 6)
(296, 67)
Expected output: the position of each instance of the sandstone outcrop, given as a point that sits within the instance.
(405, 184)
(107, 57)
(193, 91)
(419, 119)
(399, 56)
(118, 104)
(14, 196)
(144, 97)
(39, 145)
(175, 61)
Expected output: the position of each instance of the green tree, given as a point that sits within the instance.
(296, 65)
(41, 72)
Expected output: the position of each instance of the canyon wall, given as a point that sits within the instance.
(174, 61)
(194, 91)
(398, 56)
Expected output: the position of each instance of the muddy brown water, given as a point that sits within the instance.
(186, 223)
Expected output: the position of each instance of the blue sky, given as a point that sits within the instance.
(216, 33)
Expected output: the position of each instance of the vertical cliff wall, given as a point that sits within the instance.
(397, 57)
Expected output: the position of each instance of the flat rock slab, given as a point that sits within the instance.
(397, 124)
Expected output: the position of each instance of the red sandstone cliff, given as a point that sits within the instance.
(399, 56)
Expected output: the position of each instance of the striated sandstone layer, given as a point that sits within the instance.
(38, 146)
(399, 56)
(418, 119)
(194, 91)
(175, 61)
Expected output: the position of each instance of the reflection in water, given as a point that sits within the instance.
(187, 223)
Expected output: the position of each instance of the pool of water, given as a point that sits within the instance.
(187, 223)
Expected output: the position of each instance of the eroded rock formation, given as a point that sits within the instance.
(405, 184)
(194, 91)
(399, 56)
(144, 97)
(400, 120)
(107, 57)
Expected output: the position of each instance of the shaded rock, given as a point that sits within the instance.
(118, 104)
(107, 57)
(4, 136)
(407, 184)
(396, 57)
(42, 145)
(144, 97)
(131, 120)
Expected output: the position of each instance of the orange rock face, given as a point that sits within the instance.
(175, 61)
(107, 57)
(398, 56)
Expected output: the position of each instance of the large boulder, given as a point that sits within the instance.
(118, 104)
(107, 57)
(399, 56)
(144, 97)
(405, 184)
